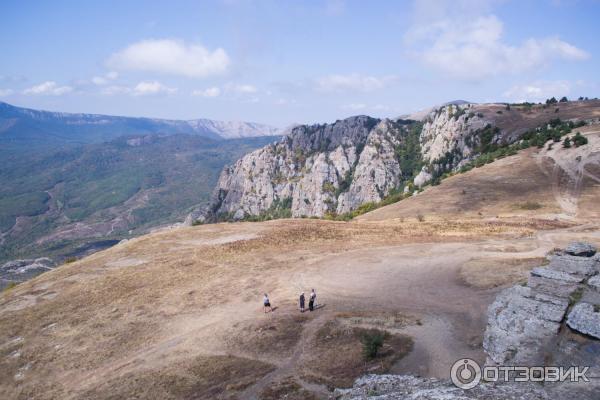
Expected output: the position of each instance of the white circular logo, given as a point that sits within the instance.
(465, 373)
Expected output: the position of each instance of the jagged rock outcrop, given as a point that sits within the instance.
(21, 270)
(315, 169)
(524, 322)
(451, 128)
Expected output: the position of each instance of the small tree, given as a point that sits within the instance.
(564, 99)
(372, 342)
(567, 142)
(551, 100)
(579, 139)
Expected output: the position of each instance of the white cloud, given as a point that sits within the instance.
(209, 92)
(351, 82)
(151, 88)
(470, 46)
(48, 88)
(105, 80)
(538, 91)
(145, 88)
(6, 92)
(170, 57)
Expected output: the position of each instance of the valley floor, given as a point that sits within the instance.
(178, 313)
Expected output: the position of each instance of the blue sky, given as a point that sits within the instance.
(283, 62)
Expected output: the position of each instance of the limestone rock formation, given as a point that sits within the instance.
(452, 128)
(315, 169)
(524, 322)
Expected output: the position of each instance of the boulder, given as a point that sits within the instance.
(585, 319)
(581, 249)
(520, 323)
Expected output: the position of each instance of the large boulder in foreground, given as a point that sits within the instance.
(524, 321)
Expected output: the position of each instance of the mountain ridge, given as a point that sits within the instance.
(16, 122)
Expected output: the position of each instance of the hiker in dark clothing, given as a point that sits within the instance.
(302, 302)
(311, 300)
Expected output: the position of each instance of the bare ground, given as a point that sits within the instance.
(177, 314)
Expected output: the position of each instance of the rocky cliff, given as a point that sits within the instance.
(316, 169)
(334, 168)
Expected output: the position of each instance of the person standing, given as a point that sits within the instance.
(267, 303)
(312, 300)
(302, 302)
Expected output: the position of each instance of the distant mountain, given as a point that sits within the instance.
(27, 127)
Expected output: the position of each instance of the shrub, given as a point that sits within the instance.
(420, 217)
(372, 342)
(579, 139)
(531, 205)
(70, 260)
(567, 143)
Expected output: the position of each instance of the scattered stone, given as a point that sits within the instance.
(585, 319)
(581, 249)
(405, 387)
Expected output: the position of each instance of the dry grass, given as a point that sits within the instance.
(287, 389)
(489, 273)
(218, 377)
(339, 360)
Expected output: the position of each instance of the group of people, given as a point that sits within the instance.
(312, 302)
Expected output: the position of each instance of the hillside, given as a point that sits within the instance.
(332, 169)
(66, 202)
(177, 314)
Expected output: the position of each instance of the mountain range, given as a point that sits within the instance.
(74, 183)
(33, 127)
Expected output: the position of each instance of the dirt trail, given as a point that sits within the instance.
(288, 369)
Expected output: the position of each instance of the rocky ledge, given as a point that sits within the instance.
(524, 321)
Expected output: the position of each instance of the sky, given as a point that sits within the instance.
(284, 62)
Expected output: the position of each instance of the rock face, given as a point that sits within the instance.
(524, 322)
(403, 387)
(315, 169)
(21, 270)
(336, 167)
(452, 128)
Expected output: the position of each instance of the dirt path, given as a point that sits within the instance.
(288, 369)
